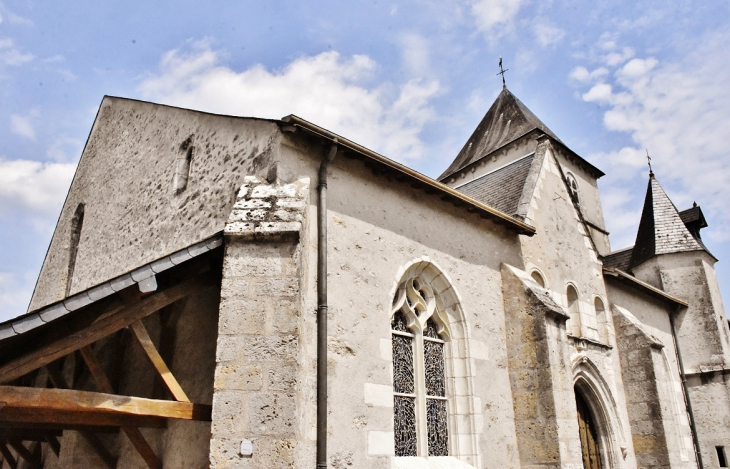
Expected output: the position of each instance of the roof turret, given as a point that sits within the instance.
(661, 229)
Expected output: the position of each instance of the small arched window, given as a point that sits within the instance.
(419, 334)
(538, 278)
(573, 310)
(601, 319)
(573, 188)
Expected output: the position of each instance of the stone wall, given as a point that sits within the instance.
(258, 393)
(133, 214)
(643, 371)
(539, 367)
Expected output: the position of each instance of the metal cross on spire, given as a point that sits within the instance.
(648, 161)
(501, 72)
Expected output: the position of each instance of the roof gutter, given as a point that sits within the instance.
(483, 210)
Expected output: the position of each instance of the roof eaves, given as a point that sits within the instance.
(484, 210)
(41, 316)
(636, 283)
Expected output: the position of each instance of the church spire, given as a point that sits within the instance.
(661, 229)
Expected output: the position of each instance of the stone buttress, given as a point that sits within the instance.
(257, 389)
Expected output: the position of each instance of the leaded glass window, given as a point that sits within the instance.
(419, 378)
(404, 405)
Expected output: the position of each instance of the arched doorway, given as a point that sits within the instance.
(589, 440)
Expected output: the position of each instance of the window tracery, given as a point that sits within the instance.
(419, 332)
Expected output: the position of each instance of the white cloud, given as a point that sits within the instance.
(10, 55)
(678, 111)
(327, 89)
(616, 58)
(15, 291)
(600, 92)
(22, 125)
(548, 35)
(490, 14)
(33, 188)
(64, 150)
(415, 50)
(582, 74)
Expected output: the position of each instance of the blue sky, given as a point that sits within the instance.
(410, 79)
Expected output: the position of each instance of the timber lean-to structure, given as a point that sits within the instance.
(478, 321)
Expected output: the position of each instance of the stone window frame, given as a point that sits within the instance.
(601, 319)
(575, 326)
(573, 187)
(537, 271)
(448, 312)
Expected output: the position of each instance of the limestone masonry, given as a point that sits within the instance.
(477, 321)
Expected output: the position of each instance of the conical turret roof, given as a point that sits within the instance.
(505, 121)
(661, 229)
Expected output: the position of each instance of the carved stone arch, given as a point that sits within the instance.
(439, 300)
(595, 391)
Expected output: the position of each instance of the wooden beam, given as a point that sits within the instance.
(96, 444)
(71, 407)
(54, 444)
(9, 458)
(102, 327)
(28, 434)
(140, 333)
(24, 452)
(133, 433)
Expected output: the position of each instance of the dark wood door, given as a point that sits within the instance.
(588, 435)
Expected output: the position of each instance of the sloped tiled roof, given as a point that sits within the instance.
(661, 229)
(502, 188)
(618, 259)
(505, 121)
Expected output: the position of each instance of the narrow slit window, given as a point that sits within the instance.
(182, 166)
(721, 456)
(77, 223)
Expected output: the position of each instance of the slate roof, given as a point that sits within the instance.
(661, 229)
(618, 259)
(501, 188)
(507, 120)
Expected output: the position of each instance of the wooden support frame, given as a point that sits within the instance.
(133, 433)
(106, 324)
(70, 407)
(7, 455)
(140, 333)
(25, 453)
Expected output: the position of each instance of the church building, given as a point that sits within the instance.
(233, 292)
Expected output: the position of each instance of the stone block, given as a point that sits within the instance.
(381, 443)
(243, 315)
(255, 349)
(230, 413)
(281, 377)
(272, 413)
(232, 376)
(378, 395)
(285, 315)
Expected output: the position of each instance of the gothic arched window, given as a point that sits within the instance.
(419, 333)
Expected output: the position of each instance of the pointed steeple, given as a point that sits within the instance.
(661, 229)
(505, 121)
